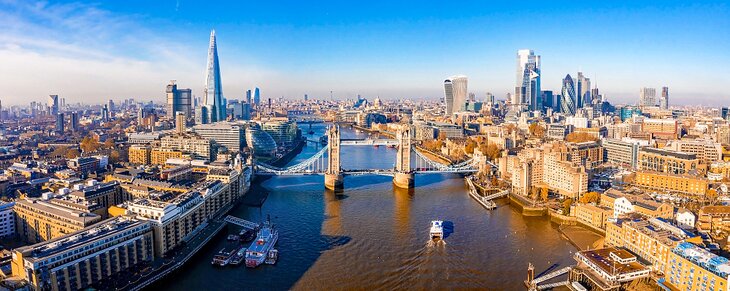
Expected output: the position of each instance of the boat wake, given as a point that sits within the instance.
(435, 243)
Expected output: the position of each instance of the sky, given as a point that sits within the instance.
(91, 52)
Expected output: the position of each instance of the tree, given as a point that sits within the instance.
(566, 206)
(590, 197)
(72, 153)
(114, 156)
(492, 151)
(109, 143)
(536, 130)
(442, 135)
(470, 146)
(711, 195)
(544, 193)
(59, 152)
(89, 145)
(533, 193)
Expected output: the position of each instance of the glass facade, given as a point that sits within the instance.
(260, 142)
(567, 98)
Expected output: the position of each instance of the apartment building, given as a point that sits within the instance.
(39, 220)
(694, 268)
(140, 154)
(83, 258)
(707, 151)
(667, 161)
(685, 184)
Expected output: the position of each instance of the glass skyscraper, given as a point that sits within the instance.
(527, 89)
(455, 91)
(213, 88)
(568, 96)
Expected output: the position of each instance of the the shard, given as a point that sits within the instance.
(213, 89)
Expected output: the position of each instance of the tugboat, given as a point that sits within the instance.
(437, 230)
(259, 250)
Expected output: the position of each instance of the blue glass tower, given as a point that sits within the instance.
(213, 88)
(256, 96)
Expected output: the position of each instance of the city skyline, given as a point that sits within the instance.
(123, 52)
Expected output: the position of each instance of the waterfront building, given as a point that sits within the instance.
(568, 96)
(229, 134)
(685, 184)
(562, 174)
(189, 143)
(7, 219)
(424, 131)
(178, 100)
(160, 156)
(647, 97)
(449, 130)
(213, 92)
(694, 268)
(527, 87)
(623, 152)
(609, 268)
(652, 239)
(84, 258)
(284, 133)
(666, 161)
(685, 219)
(39, 220)
(592, 215)
(140, 154)
(589, 153)
(260, 141)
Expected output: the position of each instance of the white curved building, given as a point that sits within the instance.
(455, 91)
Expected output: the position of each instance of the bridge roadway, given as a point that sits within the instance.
(380, 141)
(381, 172)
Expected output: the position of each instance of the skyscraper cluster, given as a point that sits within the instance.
(527, 90)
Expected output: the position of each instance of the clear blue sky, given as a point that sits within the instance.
(118, 49)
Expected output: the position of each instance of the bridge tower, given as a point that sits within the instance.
(333, 178)
(404, 177)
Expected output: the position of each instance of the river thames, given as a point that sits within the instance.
(373, 236)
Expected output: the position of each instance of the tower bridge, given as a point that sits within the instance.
(327, 162)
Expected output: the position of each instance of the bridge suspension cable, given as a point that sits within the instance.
(314, 164)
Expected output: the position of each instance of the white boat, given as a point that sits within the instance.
(437, 230)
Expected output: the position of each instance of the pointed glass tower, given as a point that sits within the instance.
(213, 88)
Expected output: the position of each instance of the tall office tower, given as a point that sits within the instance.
(472, 97)
(180, 119)
(647, 97)
(256, 96)
(664, 101)
(596, 96)
(111, 106)
(490, 99)
(75, 121)
(53, 103)
(548, 100)
(61, 103)
(306, 98)
(105, 113)
(178, 100)
(248, 96)
(213, 89)
(140, 115)
(567, 98)
(583, 91)
(527, 89)
(59, 122)
(449, 97)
